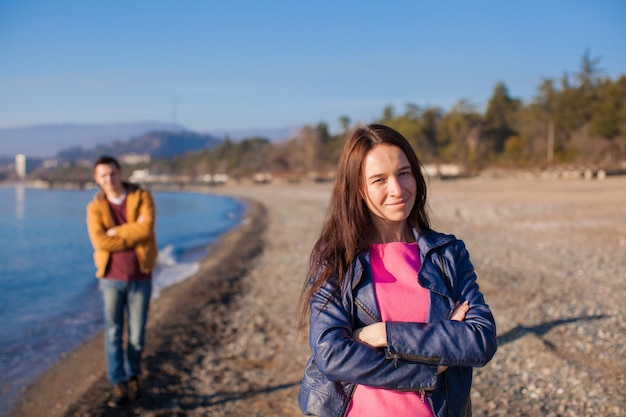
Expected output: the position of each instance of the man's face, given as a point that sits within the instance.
(109, 179)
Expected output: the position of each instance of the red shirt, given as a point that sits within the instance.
(123, 265)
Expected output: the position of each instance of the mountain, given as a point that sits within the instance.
(157, 144)
(45, 141)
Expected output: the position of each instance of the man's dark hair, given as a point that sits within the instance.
(107, 160)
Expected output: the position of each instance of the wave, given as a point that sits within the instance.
(174, 266)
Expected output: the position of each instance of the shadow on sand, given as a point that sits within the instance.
(541, 329)
(225, 397)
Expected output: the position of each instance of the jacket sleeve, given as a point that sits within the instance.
(471, 342)
(98, 231)
(135, 231)
(341, 358)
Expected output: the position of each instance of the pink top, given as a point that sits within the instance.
(400, 298)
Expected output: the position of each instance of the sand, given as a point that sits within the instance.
(551, 259)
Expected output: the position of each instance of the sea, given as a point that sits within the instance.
(49, 301)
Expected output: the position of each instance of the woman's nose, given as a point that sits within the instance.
(394, 187)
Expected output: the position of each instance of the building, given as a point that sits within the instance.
(20, 165)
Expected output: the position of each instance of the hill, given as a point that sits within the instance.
(46, 141)
(157, 144)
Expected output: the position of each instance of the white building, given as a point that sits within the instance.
(133, 158)
(20, 165)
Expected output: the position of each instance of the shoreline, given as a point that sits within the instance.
(81, 373)
(69, 313)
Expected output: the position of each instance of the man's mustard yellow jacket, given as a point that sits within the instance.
(137, 233)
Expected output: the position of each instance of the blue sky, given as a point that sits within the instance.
(262, 64)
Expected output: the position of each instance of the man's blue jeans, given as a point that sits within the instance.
(130, 298)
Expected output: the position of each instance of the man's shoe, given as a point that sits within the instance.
(119, 396)
(134, 393)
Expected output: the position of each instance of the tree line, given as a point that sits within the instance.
(578, 119)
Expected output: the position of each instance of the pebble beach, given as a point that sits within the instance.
(550, 255)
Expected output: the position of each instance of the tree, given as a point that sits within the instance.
(412, 131)
(607, 119)
(458, 134)
(388, 114)
(588, 76)
(310, 147)
(345, 123)
(500, 118)
(413, 111)
(430, 123)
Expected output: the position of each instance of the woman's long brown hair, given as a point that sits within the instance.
(348, 228)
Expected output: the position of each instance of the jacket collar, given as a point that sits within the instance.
(430, 240)
(128, 186)
(427, 241)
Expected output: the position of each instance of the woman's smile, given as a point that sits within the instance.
(389, 190)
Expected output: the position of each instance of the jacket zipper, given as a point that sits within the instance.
(428, 360)
(366, 311)
(345, 411)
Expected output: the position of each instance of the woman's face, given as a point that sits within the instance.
(389, 186)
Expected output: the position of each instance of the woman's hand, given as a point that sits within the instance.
(374, 335)
(460, 310)
(458, 314)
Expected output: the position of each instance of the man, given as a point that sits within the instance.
(120, 221)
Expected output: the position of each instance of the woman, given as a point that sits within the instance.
(385, 295)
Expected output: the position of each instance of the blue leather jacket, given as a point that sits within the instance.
(414, 350)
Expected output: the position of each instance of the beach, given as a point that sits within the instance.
(551, 260)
